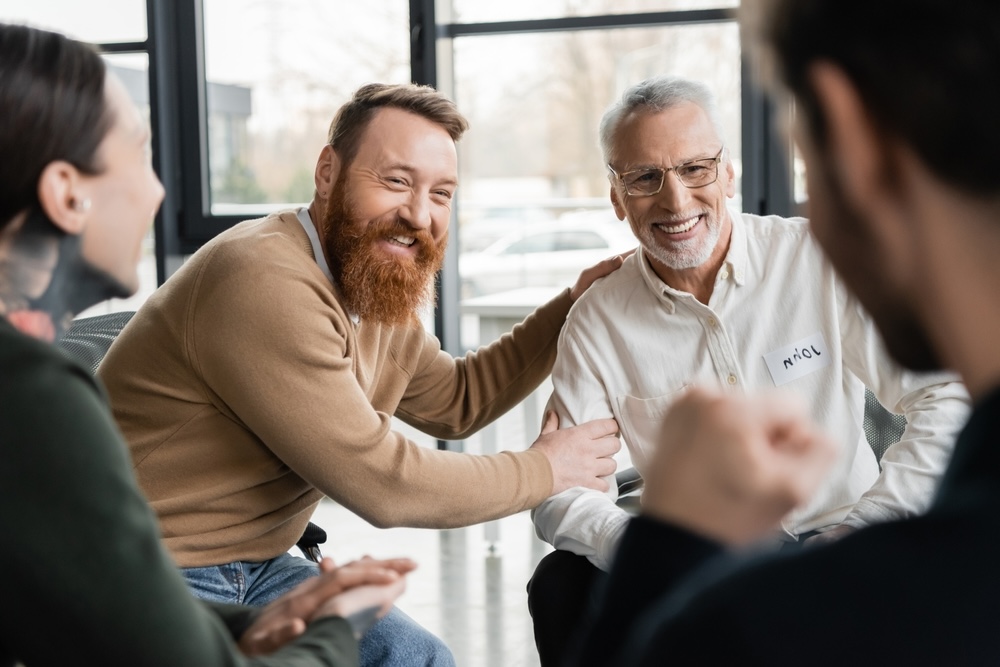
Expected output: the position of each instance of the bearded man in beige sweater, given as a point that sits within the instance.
(263, 375)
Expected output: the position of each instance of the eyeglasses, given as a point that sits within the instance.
(649, 181)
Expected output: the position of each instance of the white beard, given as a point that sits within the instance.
(686, 254)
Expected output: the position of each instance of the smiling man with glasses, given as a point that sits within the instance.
(719, 297)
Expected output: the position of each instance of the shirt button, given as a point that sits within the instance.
(731, 379)
(723, 274)
(712, 322)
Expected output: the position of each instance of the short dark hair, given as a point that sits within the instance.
(353, 118)
(52, 107)
(927, 71)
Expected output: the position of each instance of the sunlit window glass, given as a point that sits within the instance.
(276, 72)
(97, 21)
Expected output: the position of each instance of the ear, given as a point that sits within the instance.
(856, 149)
(64, 196)
(730, 179)
(327, 171)
(616, 202)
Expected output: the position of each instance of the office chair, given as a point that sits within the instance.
(88, 340)
(882, 428)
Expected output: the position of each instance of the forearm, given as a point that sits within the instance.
(912, 468)
(453, 398)
(410, 485)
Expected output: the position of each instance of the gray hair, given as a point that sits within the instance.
(657, 94)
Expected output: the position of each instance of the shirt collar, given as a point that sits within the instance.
(736, 258)
(307, 224)
(734, 266)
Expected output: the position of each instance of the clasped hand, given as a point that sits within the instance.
(345, 591)
(729, 467)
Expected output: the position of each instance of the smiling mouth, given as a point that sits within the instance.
(405, 241)
(681, 227)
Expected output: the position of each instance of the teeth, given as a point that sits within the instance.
(683, 227)
(404, 240)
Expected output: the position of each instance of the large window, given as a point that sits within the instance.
(241, 93)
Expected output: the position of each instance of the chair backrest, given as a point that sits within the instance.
(89, 338)
(882, 428)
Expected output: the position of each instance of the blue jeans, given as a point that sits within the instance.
(395, 640)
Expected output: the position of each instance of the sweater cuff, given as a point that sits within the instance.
(537, 474)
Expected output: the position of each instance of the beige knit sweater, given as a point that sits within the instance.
(246, 393)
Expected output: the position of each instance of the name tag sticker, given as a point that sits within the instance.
(798, 359)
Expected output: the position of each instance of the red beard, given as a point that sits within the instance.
(376, 286)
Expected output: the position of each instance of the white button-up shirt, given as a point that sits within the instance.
(778, 316)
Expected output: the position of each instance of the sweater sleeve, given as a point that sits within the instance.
(452, 398)
(87, 567)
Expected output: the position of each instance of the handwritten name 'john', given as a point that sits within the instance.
(805, 353)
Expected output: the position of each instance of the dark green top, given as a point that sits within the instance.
(85, 578)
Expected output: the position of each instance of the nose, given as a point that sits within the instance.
(417, 211)
(674, 195)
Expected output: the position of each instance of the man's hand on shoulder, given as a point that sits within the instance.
(730, 467)
(599, 270)
(579, 455)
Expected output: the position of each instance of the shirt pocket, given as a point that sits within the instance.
(641, 421)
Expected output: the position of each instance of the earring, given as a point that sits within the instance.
(81, 206)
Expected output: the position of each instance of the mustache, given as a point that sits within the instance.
(397, 227)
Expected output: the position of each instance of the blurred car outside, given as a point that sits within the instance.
(544, 254)
(493, 223)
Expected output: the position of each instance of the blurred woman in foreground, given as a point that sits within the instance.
(86, 580)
